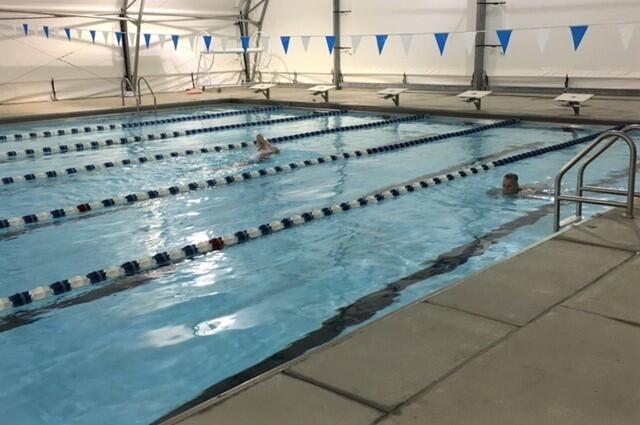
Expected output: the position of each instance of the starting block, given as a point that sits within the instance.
(264, 88)
(321, 91)
(474, 96)
(393, 94)
(573, 100)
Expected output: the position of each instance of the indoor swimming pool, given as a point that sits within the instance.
(359, 215)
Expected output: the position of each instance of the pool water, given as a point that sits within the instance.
(130, 356)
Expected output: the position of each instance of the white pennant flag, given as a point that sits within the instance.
(355, 43)
(469, 41)
(192, 43)
(162, 38)
(223, 42)
(265, 39)
(80, 34)
(626, 33)
(132, 39)
(305, 41)
(406, 42)
(105, 35)
(542, 36)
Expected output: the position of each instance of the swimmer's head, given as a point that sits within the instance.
(510, 184)
(261, 142)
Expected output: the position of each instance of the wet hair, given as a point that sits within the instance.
(511, 176)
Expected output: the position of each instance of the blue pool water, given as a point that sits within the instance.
(132, 356)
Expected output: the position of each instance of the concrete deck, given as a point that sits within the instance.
(599, 110)
(549, 336)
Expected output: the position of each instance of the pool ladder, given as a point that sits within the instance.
(608, 138)
(137, 92)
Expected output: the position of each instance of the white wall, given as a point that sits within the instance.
(601, 61)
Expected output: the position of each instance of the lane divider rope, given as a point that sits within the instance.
(18, 137)
(47, 217)
(52, 174)
(100, 144)
(166, 258)
(174, 256)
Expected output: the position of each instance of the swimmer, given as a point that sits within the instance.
(265, 148)
(511, 187)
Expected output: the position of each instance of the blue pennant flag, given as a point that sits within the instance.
(175, 38)
(25, 27)
(285, 39)
(245, 39)
(147, 40)
(119, 37)
(577, 33)
(207, 42)
(381, 39)
(68, 32)
(441, 39)
(45, 29)
(504, 36)
(331, 42)
(93, 36)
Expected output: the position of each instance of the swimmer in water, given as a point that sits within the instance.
(265, 148)
(511, 187)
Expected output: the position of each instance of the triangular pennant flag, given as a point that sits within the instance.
(45, 29)
(504, 36)
(132, 39)
(331, 42)
(542, 36)
(381, 40)
(118, 37)
(194, 42)
(163, 39)
(469, 41)
(93, 36)
(355, 43)
(147, 40)
(25, 28)
(626, 34)
(245, 40)
(266, 42)
(67, 31)
(305, 42)
(441, 39)
(577, 33)
(406, 39)
(223, 42)
(105, 35)
(207, 42)
(175, 38)
(285, 40)
(80, 33)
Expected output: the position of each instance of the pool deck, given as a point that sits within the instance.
(548, 336)
(534, 107)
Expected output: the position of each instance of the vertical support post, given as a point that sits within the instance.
(337, 50)
(137, 53)
(125, 43)
(243, 24)
(478, 60)
(258, 55)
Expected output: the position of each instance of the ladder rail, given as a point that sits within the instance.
(155, 100)
(611, 137)
(127, 82)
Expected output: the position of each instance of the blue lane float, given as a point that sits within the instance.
(88, 168)
(32, 135)
(100, 144)
(17, 224)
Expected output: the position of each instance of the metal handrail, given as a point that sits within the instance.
(155, 101)
(612, 137)
(125, 81)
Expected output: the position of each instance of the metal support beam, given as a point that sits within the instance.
(337, 51)
(137, 52)
(243, 25)
(478, 62)
(258, 55)
(125, 43)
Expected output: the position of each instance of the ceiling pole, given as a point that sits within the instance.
(478, 61)
(265, 4)
(337, 66)
(125, 43)
(243, 24)
(137, 53)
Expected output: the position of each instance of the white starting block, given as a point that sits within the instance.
(393, 94)
(321, 91)
(264, 88)
(474, 96)
(573, 100)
